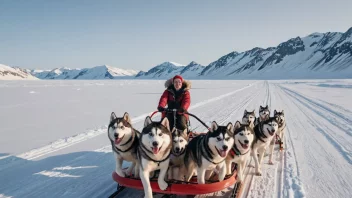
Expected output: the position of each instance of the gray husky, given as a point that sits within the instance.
(282, 125)
(249, 118)
(124, 142)
(264, 133)
(179, 145)
(154, 153)
(208, 151)
(264, 113)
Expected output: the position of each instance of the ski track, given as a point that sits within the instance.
(317, 141)
(315, 150)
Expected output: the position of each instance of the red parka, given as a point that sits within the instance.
(176, 99)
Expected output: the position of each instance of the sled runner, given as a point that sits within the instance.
(176, 187)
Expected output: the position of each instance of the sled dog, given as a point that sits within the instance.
(240, 152)
(249, 118)
(264, 133)
(124, 141)
(282, 125)
(264, 113)
(179, 144)
(153, 153)
(208, 151)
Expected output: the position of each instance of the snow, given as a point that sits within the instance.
(54, 143)
(176, 64)
(9, 73)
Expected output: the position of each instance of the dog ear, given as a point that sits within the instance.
(237, 125)
(214, 126)
(230, 127)
(112, 116)
(165, 122)
(267, 107)
(173, 130)
(275, 112)
(147, 121)
(282, 111)
(185, 131)
(245, 112)
(253, 111)
(261, 107)
(126, 117)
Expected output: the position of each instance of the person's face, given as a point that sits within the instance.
(177, 84)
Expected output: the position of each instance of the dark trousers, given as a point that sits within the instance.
(181, 121)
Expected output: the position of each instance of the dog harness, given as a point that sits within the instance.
(234, 151)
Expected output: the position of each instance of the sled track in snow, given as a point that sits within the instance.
(337, 141)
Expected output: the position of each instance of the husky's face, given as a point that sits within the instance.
(280, 116)
(156, 136)
(264, 112)
(244, 136)
(270, 126)
(221, 139)
(120, 129)
(179, 140)
(248, 117)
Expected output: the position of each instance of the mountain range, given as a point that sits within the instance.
(318, 55)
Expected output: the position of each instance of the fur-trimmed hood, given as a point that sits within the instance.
(186, 84)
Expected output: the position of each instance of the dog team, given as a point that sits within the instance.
(166, 145)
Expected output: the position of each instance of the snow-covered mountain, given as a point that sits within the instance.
(99, 72)
(318, 55)
(164, 70)
(14, 73)
(192, 70)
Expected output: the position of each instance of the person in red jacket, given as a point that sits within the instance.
(176, 96)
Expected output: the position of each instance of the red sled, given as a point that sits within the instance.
(181, 187)
(191, 188)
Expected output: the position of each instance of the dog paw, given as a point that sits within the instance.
(121, 173)
(271, 163)
(259, 173)
(162, 185)
(239, 179)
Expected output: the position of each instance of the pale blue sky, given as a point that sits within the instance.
(141, 34)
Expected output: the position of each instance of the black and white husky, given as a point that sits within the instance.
(240, 152)
(264, 133)
(124, 142)
(249, 118)
(282, 125)
(154, 153)
(179, 145)
(208, 151)
(264, 113)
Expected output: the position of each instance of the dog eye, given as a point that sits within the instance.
(175, 141)
(241, 134)
(227, 139)
(151, 134)
(122, 127)
(181, 140)
(160, 134)
(218, 138)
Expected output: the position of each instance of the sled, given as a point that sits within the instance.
(176, 187)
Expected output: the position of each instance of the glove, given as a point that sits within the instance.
(161, 109)
(182, 110)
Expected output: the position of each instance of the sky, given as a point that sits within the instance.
(142, 34)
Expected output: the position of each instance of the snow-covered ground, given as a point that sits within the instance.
(54, 144)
